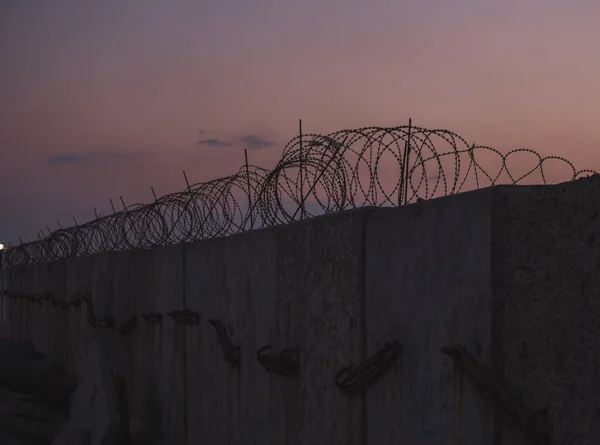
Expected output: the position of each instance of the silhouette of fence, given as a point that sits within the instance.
(316, 174)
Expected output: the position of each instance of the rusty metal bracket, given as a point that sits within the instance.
(76, 300)
(501, 401)
(185, 316)
(231, 353)
(152, 317)
(128, 327)
(106, 323)
(361, 377)
(283, 363)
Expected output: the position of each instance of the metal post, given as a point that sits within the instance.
(301, 170)
(407, 157)
(250, 209)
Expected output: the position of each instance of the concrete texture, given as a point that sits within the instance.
(428, 286)
(320, 300)
(267, 288)
(162, 355)
(15, 317)
(133, 287)
(508, 273)
(78, 282)
(95, 416)
(42, 332)
(235, 284)
(58, 289)
(546, 307)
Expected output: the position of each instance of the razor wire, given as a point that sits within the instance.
(317, 174)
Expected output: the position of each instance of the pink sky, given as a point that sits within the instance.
(122, 86)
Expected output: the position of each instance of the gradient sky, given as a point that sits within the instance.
(104, 98)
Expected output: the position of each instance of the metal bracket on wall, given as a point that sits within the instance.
(501, 401)
(128, 327)
(349, 380)
(231, 353)
(106, 323)
(185, 316)
(77, 298)
(283, 363)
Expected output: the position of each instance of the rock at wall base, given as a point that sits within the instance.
(30, 376)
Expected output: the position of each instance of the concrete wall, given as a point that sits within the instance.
(546, 315)
(429, 286)
(507, 273)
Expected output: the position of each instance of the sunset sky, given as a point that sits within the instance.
(105, 98)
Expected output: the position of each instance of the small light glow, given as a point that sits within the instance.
(1, 246)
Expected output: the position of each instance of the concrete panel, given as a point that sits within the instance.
(428, 286)
(41, 325)
(58, 333)
(133, 289)
(145, 402)
(5, 286)
(28, 311)
(162, 345)
(319, 307)
(546, 305)
(232, 280)
(10, 305)
(16, 306)
(78, 282)
(106, 269)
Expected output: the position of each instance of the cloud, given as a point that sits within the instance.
(255, 143)
(91, 156)
(214, 143)
(66, 158)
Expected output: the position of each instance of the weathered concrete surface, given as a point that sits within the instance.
(428, 286)
(78, 282)
(546, 306)
(15, 318)
(159, 362)
(234, 281)
(133, 287)
(28, 318)
(4, 301)
(319, 307)
(96, 417)
(42, 334)
(58, 289)
(508, 273)
(295, 286)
